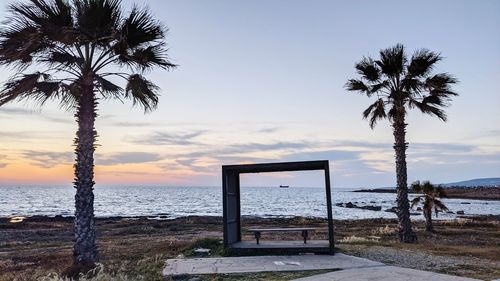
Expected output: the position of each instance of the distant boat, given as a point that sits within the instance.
(284, 186)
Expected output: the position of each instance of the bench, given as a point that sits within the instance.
(304, 230)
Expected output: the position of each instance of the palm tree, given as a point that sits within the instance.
(73, 46)
(430, 200)
(400, 84)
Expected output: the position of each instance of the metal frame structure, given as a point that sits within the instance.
(231, 194)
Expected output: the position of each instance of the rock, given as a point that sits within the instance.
(371, 208)
(202, 251)
(350, 205)
(419, 209)
(449, 212)
(373, 202)
(465, 203)
(414, 214)
(392, 210)
(460, 212)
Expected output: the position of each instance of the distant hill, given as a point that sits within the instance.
(474, 182)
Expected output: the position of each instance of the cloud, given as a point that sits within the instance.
(440, 147)
(130, 124)
(127, 158)
(14, 111)
(3, 164)
(7, 112)
(268, 130)
(18, 135)
(280, 145)
(162, 138)
(334, 155)
(48, 159)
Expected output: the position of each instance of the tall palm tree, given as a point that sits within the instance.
(430, 199)
(74, 51)
(400, 84)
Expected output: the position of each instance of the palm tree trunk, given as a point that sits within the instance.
(406, 233)
(85, 248)
(428, 220)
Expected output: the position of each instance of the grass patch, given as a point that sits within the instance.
(215, 246)
(353, 239)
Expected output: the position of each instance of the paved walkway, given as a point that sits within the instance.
(350, 268)
(388, 273)
(264, 263)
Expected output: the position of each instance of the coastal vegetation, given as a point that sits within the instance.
(399, 84)
(136, 248)
(430, 199)
(73, 52)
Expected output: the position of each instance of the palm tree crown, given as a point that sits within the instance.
(75, 43)
(430, 196)
(399, 83)
(431, 201)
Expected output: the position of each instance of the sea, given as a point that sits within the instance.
(162, 202)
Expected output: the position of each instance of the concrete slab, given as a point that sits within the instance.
(383, 273)
(264, 263)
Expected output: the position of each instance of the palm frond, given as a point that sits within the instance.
(416, 186)
(19, 43)
(368, 69)
(438, 205)
(422, 63)
(97, 20)
(63, 58)
(392, 60)
(358, 86)
(142, 91)
(427, 188)
(37, 87)
(146, 58)
(413, 86)
(441, 81)
(138, 28)
(430, 105)
(378, 86)
(108, 89)
(376, 111)
(53, 18)
(415, 201)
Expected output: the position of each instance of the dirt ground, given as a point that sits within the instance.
(137, 247)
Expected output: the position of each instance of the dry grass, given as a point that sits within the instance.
(136, 249)
(353, 239)
(383, 231)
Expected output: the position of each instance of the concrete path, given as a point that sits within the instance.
(383, 273)
(348, 268)
(264, 263)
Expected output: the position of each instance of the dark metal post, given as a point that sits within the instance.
(329, 208)
(224, 206)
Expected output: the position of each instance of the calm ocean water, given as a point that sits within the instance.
(174, 202)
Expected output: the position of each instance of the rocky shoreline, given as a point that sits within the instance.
(479, 193)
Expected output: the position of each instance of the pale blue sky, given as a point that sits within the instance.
(262, 81)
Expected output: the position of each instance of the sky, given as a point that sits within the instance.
(263, 81)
